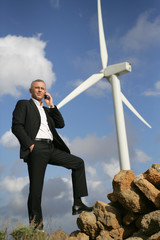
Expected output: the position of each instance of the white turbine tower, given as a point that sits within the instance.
(111, 73)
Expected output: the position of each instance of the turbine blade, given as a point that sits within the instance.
(81, 88)
(102, 42)
(128, 104)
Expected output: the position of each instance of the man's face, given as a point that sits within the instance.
(38, 90)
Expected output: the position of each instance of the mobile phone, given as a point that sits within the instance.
(46, 97)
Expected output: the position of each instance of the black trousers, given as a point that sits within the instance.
(43, 154)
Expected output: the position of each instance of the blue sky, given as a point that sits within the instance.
(57, 40)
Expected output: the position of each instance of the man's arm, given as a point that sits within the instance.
(57, 117)
(18, 125)
(54, 112)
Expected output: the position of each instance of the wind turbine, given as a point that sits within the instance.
(111, 73)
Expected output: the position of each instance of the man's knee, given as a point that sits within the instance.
(80, 163)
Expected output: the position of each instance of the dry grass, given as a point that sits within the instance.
(23, 232)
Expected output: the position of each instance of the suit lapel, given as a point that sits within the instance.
(35, 108)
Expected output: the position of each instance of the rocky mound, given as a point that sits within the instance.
(132, 214)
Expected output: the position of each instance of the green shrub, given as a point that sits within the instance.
(23, 232)
(28, 233)
(2, 235)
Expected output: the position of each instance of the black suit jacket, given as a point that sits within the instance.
(26, 123)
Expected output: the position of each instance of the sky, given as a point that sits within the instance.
(57, 41)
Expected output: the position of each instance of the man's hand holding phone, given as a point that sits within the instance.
(48, 100)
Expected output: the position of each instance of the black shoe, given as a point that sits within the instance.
(77, 209)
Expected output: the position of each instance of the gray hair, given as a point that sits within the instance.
(37, 80)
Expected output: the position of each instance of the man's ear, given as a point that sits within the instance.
(30, 90)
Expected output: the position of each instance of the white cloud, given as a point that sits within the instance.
(22, 60)
(144, 34)
(142, 157)
(95, 149)
(12, 184)
(153, 92)
(92, 171)
(111, 168)
(9, 140)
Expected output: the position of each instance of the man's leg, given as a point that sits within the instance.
(76, 164)
(36, 168)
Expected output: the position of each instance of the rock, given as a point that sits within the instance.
(153, 176)
(79, 235)
(129, 218)
(155, 236)
(134, 238)
(87, 224)
(100, 225)
(104, 235)
(156, 166)
(137, 178)
(149, 190)
(117, 234)
(112, 197)
(123, 180)
(59, 235)
(150, 223)
(133, 200)
(107, 215)
(129, 230)
(138, 236)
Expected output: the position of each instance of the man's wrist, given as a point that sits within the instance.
(51, 106)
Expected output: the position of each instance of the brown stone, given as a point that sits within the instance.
(112, 197)
(123, 180)
(104, 235)
(155, 236)
(117, 234)
(149, 190)
(150, 223)
(129, 218)
(133, 200)
(79, 235)
(138, 236)
(59, 235)
(156, 166)
(153, 176)
(100, 225)
(138, 221)
(87, 224)
(107, 215)
(129, 230)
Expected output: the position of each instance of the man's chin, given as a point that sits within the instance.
(39, 98)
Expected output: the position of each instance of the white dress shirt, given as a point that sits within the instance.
(44, 131)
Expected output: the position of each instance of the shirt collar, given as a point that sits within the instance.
(37, 102)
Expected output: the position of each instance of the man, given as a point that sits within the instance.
(34, 126)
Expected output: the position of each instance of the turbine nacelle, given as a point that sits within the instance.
(117, 69)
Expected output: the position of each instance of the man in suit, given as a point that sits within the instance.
(34, 126)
